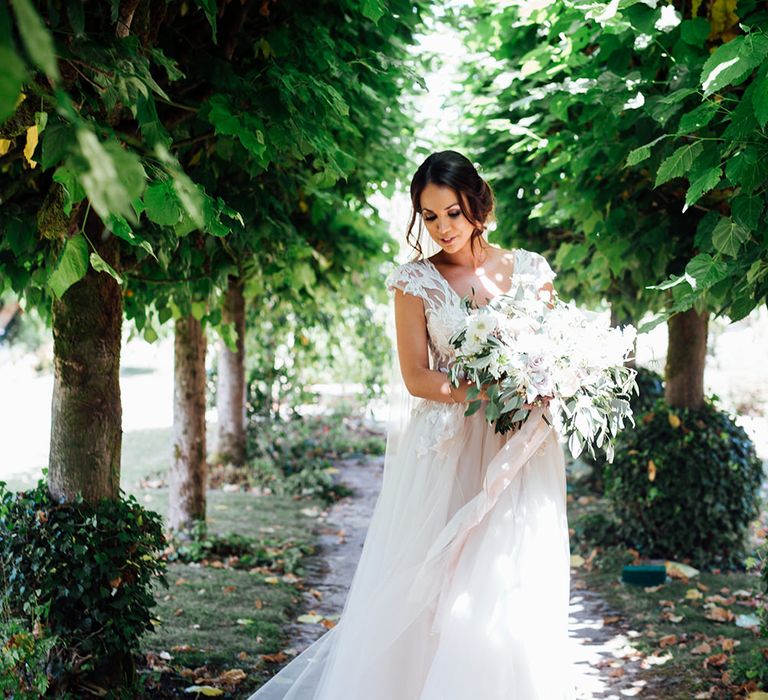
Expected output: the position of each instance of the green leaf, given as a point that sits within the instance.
(57, 140)
(198, 310)
(100, 265)
(114, 176)
(12, 77)
(161, 204)
(640, 154)
(210, 9)
(678, 164)
(170, 65)
(702, 184)
(71, 265)
(695, 31)
(760, 97)
(706, 270)
(698, 118)
(745, 168)
(372, 9)
(36, 38)
(746, 210)
(150, 334)
(728, 236)
(73, 192)
(122, 229)
(732, 62)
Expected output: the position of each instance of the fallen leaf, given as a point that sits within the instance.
(677, 569)
(651, 470)
(312, 618)
(207, 690)
(668, 640)
(693, 594)
(719, 614)
(747, 621)
(276, 658)
(715, 660)
(702, 648)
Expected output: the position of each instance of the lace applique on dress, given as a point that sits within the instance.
(444, 317)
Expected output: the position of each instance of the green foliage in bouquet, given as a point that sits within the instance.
(650, 386)
(685, 464)
(80, 572)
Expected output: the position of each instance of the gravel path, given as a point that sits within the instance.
(605, 666)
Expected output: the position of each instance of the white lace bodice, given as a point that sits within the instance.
(441, 302)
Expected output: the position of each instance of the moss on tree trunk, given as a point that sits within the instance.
(230, 393)
(86, 413)
(686, 358)
(188, 473)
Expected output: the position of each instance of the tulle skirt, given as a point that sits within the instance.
(462, 588)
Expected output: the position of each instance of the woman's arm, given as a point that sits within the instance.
(413, 354)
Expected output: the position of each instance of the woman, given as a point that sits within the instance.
(462, 587)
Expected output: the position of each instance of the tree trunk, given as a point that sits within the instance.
(86, 413)
(617, 320)
(686, 357)
(188, 474)
(230, 394)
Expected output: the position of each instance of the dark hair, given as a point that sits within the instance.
(454, 170)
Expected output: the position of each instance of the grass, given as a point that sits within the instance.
(671, 618)
(218, 619)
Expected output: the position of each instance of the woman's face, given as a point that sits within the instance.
(442, 216)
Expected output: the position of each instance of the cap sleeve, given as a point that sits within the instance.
(404, 278)
(540, 269)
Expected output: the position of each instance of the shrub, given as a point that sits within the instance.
(294, 456)
(684, 485)
(198, 545)
(24, 656)
(83, 572)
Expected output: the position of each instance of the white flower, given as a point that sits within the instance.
(668, 20)
(481, 325)
(643, 41)
(635, 102)
(567, 382)
(471, 345)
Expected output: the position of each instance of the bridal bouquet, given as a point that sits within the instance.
(525, 348)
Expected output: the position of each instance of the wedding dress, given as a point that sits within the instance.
(462, 587)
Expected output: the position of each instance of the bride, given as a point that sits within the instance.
(462, 588)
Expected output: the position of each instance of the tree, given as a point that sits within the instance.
(151, 151)
(591, 117)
